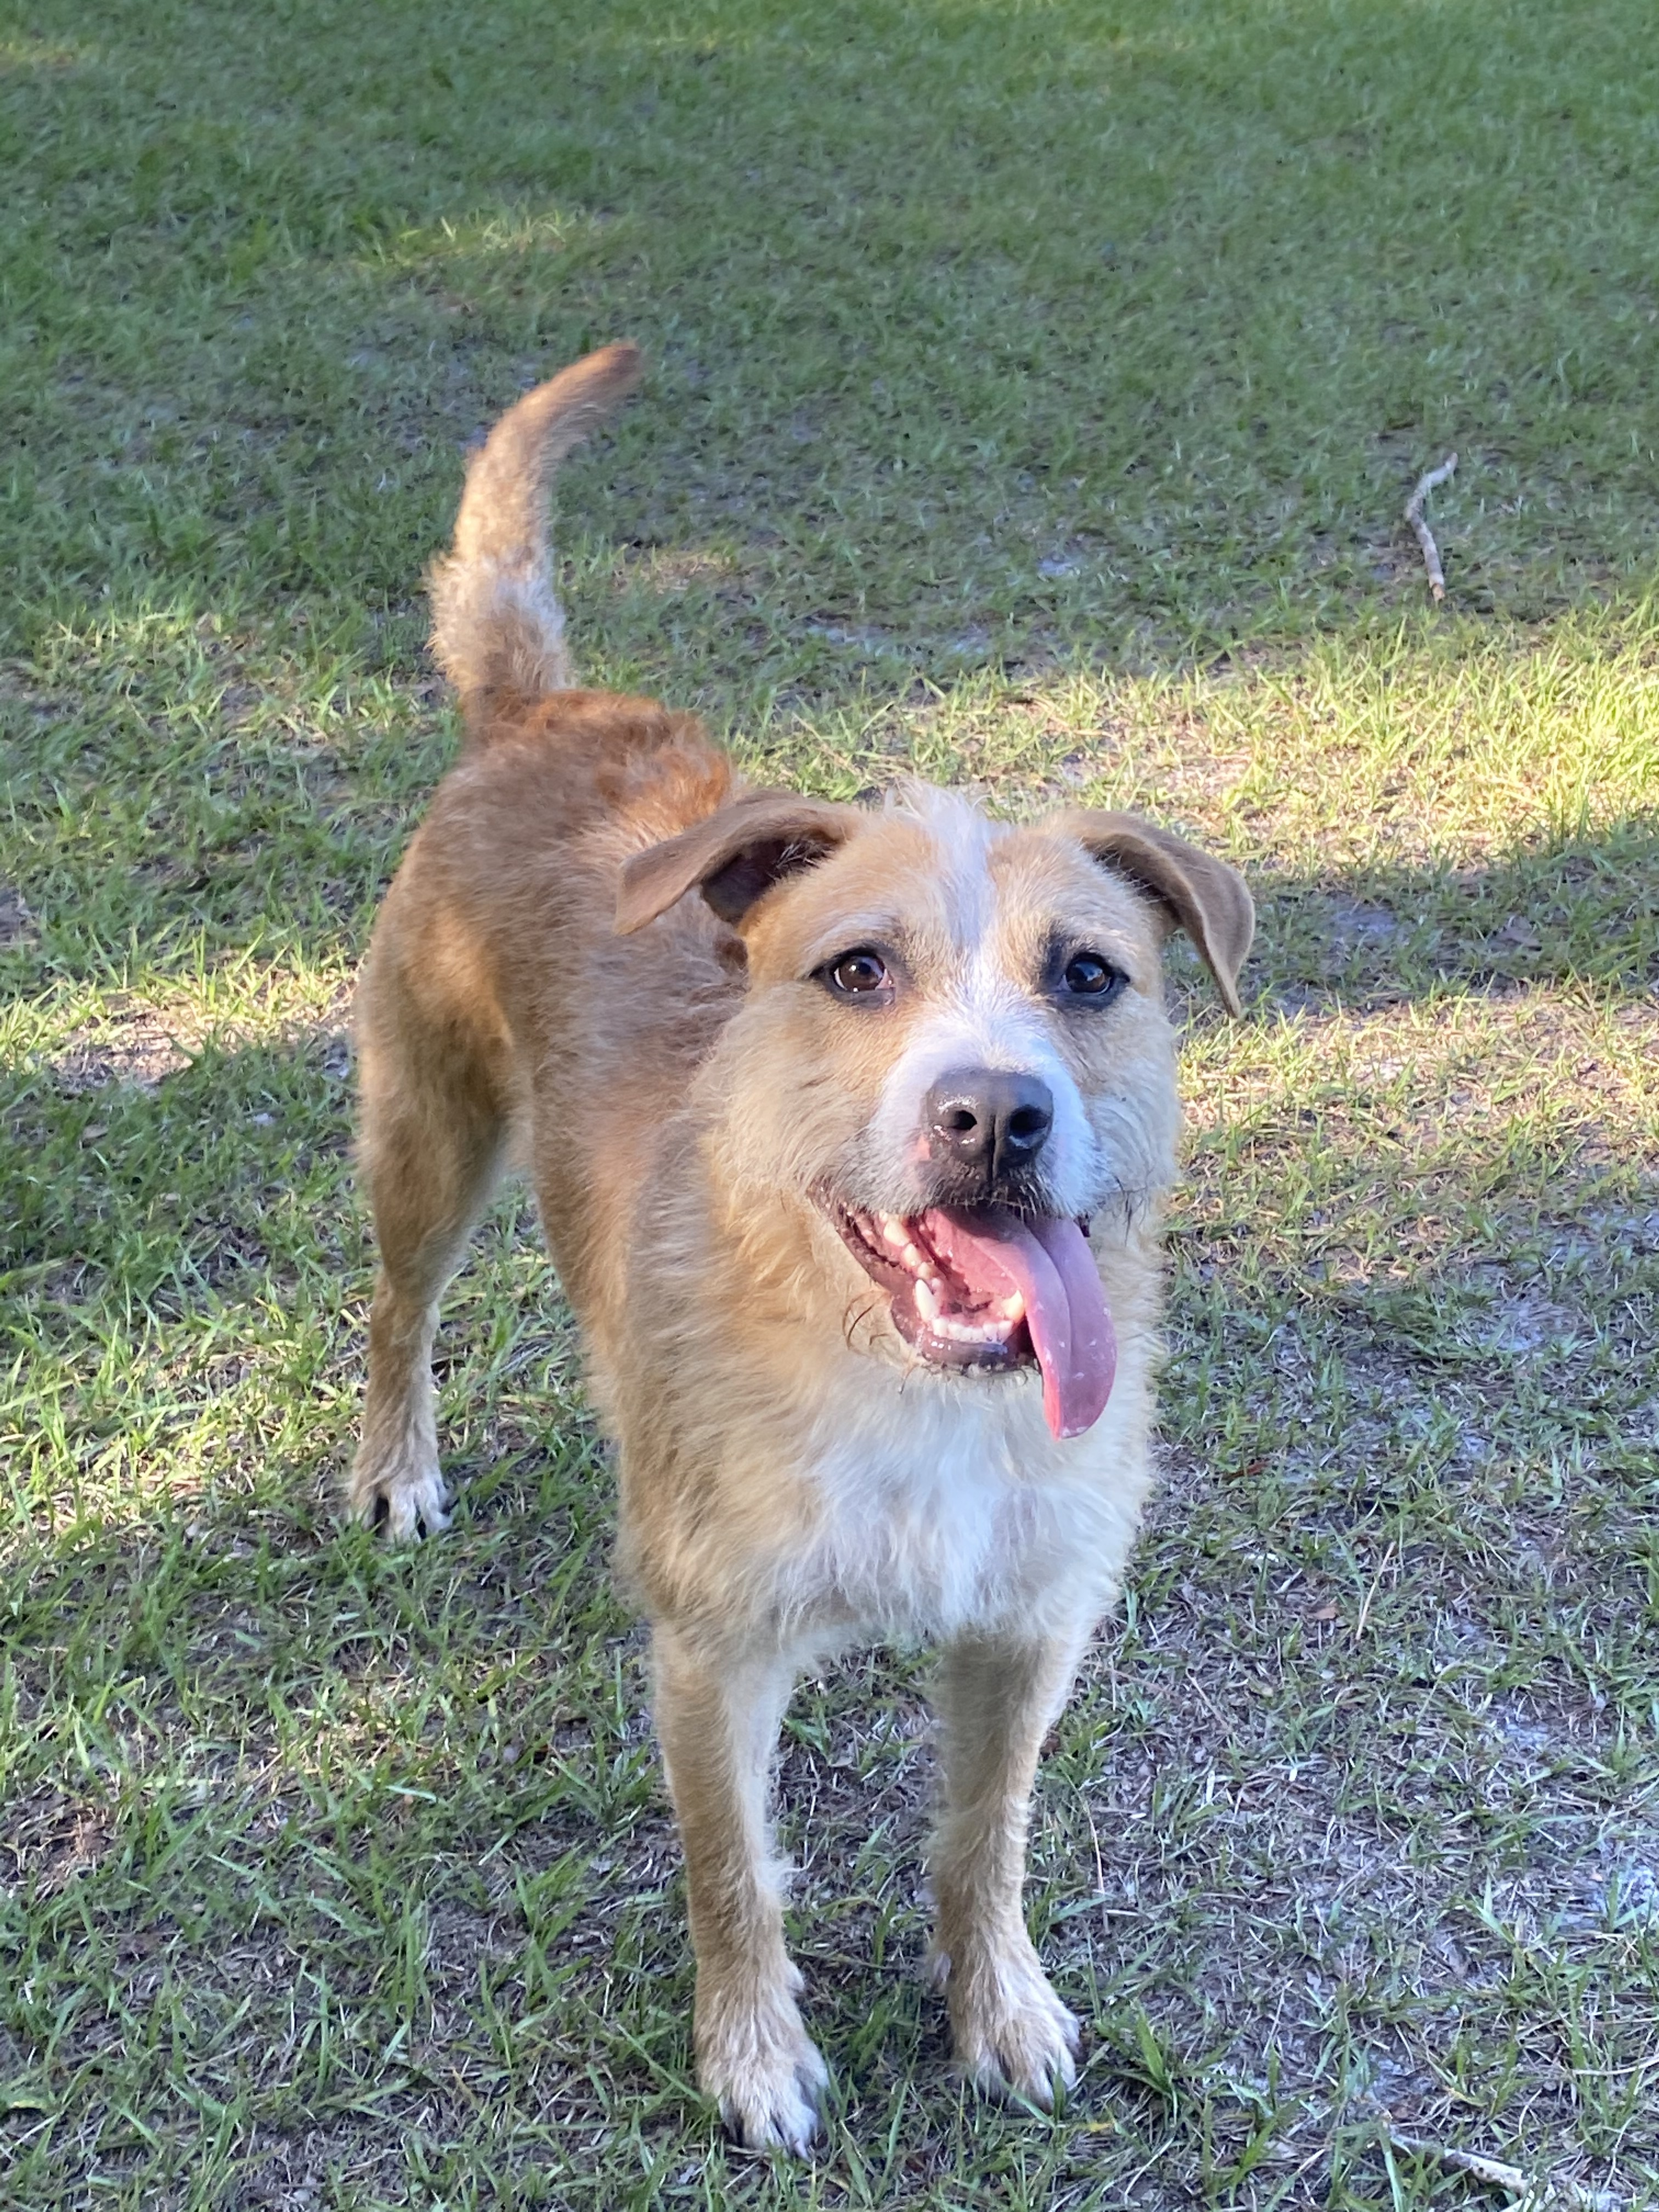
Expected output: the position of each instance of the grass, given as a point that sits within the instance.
(1035, 393)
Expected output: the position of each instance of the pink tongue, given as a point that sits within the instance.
(1051, 1264)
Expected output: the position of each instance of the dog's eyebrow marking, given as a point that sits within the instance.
(963, 837)
(881, 928)
(1065, 938)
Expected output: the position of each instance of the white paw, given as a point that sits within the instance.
(1013, 2037)
(406, 1494)
(763, 2070)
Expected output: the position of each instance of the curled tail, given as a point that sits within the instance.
(495, 622)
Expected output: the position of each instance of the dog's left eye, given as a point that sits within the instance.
(856, 975)
(1086, 975)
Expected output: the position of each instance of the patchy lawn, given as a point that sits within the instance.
(1035, 394)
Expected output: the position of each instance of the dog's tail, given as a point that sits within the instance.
(495, 622)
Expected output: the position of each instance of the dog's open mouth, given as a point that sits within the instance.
(990, 1290)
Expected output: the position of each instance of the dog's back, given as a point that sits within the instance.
(494, 951)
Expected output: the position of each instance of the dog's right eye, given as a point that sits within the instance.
(858, 974)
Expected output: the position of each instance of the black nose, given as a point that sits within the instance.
(988, 1120)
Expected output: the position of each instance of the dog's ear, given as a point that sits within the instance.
(734, 856)
(1198, 893)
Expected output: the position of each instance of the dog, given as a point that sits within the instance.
(850, 1127)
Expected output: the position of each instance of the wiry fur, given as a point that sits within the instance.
(496, 622)
(684, 1093)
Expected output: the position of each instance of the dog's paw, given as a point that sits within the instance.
(1013, 2037)
(764, 2072)
(406, 1497)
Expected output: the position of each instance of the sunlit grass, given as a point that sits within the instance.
(1034, 394)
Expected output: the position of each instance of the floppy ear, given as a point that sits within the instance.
(1199, 894)
(734, 856)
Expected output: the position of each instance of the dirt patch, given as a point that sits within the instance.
(18, 924)
(135, 1046)
(54, 1840)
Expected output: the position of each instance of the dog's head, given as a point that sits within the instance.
(953, 1050)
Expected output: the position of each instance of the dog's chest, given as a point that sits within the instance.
(936, 1517)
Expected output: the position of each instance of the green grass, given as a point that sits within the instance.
(1035, 393)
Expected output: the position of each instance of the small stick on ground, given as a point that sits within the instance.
(1534, 2194)
(1426, 483)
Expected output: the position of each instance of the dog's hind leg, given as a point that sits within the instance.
(718, 1720)
(435, 1127)
(997, 1700)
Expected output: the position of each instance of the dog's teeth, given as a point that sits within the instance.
(894, 1232)
(928, 1304)
(1012, 1308)
(970, 1332)
(928, 1272)
(911, 1256)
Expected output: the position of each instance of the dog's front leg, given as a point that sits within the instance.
(997, 1699)
(718, 1718)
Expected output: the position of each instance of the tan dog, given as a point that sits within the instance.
(851, 1167)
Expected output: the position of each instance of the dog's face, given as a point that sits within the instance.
(953, 1052)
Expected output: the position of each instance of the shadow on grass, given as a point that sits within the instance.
(343, 1874)
(368, 1849)
(225, 1167)
(1171, 380)
(1579, 912)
